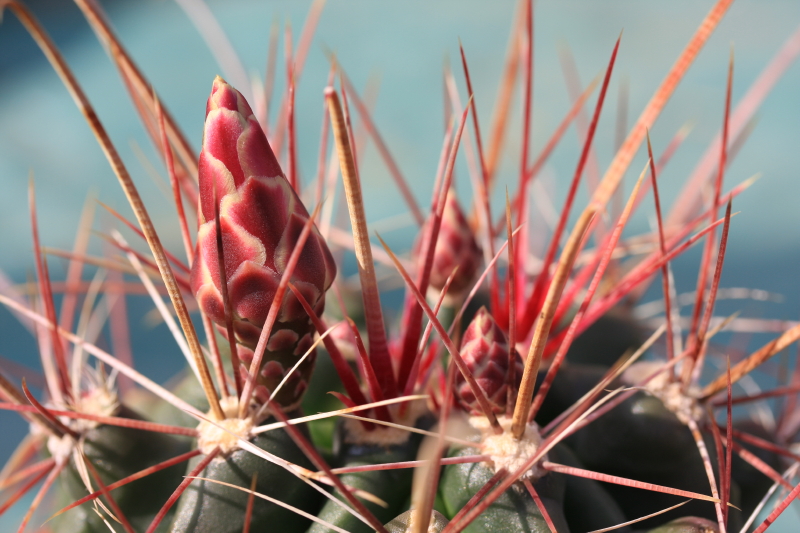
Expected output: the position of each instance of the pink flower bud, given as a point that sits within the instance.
(455, 247)
(485, 352)
(261, 218)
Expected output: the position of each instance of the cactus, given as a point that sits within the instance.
(529, 414)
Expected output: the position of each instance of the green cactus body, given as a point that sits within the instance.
(117, 452)
(571, 382)
(607, 339)
(392, 486)
(403, 523)
(587, 504)
(754, 484)
(641, 439)
(515, 510)
(688, 524)
(212, 508)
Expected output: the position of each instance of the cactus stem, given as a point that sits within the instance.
(541, 451)
(534, 359)
(133, 477)
(180, 490)
(539, 504)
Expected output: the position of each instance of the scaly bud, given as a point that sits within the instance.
(455, 247)
(261, 218)
(485, 352)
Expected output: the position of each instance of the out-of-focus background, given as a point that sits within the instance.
(400, 48)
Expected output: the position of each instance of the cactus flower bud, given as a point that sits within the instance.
(485, 352)
(261, 218)
(455, 247)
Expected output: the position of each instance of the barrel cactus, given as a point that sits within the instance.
(510, 393)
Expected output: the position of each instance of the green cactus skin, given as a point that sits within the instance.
(402, 522)
(117, 452)
(688, 524)
(607, 339)
(587, 504)
(392, 486)
(571, 382)
(206, 507)
(185, 386)
(512, 512)
(640, 439)
(753, 483)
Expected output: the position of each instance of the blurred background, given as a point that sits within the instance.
(399, 49)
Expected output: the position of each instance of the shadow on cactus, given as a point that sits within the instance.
(499, 421)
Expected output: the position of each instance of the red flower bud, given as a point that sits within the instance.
(485, 352)
(455, 247)
(261, 218)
